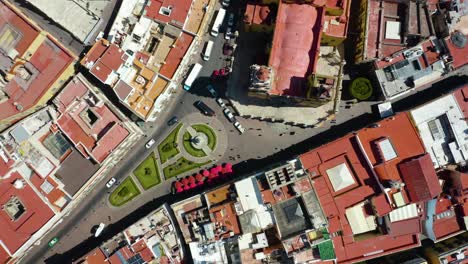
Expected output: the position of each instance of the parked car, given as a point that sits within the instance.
(111, 182)
(150, 143)
(220, 102)
(206, 110)
(53, 241)
(99, 229)
(226, 3)
(174, 120)
(212, 90)
(228, 49)
(239, 127)
(229, 115)
(230, 21)
(228, 33)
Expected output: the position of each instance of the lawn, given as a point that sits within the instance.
(180, 166)
(190, 149)
(126, 191)
(209, 132)
(168, 148)
(147, 172)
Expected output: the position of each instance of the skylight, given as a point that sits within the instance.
(340, 177)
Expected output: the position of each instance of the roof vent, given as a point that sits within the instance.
(458, 39)
(18, 184)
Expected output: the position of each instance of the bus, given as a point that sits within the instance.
(208, 49)
(192, 76)
(218, 22)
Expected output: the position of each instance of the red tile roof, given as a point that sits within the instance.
(15, 233)
(420, 178)
(175, 56)
(256, 14)
(28, 31)
(4, 256)
(459, 55)
(406, 227)
(334, 204)
(381, 205)
(178, 15)
(103, 136)
(104, 58)
(295, 47)
(95, 257)
(50, 60)
(226, 216)
(404, 139)
(462, 99)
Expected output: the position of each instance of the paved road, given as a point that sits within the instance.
(262, 144)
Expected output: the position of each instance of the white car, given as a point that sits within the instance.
(228, 33)
(229, 115)
(239, 127)
(150, 143)
(220, 102)
(99, 229)
(111, 182)
(230, 21)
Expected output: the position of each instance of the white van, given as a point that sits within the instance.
(208, 48)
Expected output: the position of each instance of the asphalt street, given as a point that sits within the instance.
(262, 144)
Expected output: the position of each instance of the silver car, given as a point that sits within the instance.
(229, 115)
(239, 127)
(220, 102)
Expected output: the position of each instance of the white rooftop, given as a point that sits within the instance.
(387, 149)
(443, 130)
(340, 177)
(211, 253)
(392, 30)
(248, 193)
(405, 212)
(71, 15)
(359, 222)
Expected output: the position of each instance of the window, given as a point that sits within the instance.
(8, 38)
(387, 150)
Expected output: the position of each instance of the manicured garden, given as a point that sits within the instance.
(180, 166)
(190, 149)
(168, 148)
(147, 172)
(207, 131)
(126, 191)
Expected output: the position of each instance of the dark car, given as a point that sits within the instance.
(228, 49)
(206, 110)
(172, 121)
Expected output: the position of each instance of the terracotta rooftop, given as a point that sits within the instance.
(257, 14)
(28, 32)
(225, 216)
(357, 184)
(103, 58)
(46, 64)
(420, 178)
(459, 54)
(175, 56)
(396, 135)
(15, 233)
(94, 257)
(295, 47)
(446, 222)
(93, 126)
(462, 99)
(174, 12)
(218, 195)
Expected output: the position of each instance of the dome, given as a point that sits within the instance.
(18, 184)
